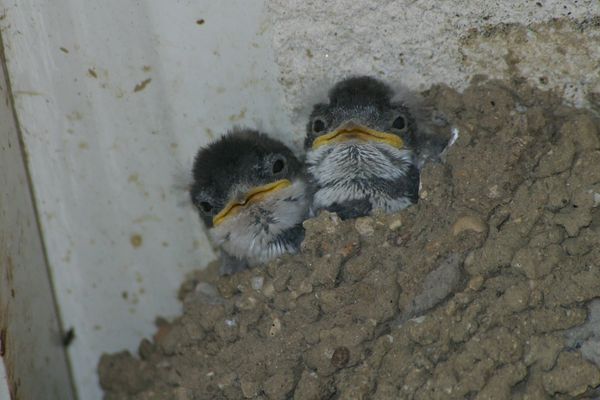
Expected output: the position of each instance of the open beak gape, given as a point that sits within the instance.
(353, 131)
(255, 194)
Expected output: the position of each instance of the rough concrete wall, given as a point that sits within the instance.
(554, 44)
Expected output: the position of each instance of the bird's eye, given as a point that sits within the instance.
(318, 125)
(399, 123)
(278, 166)
(206, 206)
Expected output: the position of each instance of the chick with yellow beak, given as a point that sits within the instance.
(360, 151)
(249, 191)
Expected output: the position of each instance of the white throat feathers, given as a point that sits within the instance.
(265, 229)
(356, 170)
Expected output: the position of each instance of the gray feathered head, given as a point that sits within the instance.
(361, 108)
(238, 168)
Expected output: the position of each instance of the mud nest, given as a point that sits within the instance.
(482, 290)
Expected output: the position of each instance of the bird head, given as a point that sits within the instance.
(360, 109)
(240, 170)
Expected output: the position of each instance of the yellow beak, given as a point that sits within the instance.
(354, 131)
(253, 195)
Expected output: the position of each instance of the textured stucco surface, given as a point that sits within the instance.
(553, 44)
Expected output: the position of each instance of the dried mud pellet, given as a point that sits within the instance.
(268, 289)
(145, 349)
(340, 357)
(476, 282)
(469, 223)
(364, 226)
(395, 224)
(246, 303)
(257, 282)
(249, 388)
(348, 249)
(469, 259)
(275, 327)
(451, 308)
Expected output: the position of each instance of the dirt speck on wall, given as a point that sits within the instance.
(480, 291)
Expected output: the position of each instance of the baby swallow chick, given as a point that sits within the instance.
(250, 192)
(359, 150)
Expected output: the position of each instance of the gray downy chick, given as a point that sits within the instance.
(360, 150)
(250, 193)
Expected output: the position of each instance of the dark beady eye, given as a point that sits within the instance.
(278, 166)
(399, 123)
(318, 125)
(206, 206)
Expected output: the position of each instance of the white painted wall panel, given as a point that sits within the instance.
(4, 390)
(114, 98)
(33, 363)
